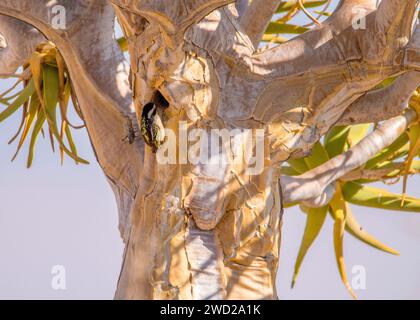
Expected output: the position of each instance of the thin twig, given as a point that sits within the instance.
(321, 13)
(308, 14)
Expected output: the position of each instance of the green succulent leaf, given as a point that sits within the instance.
(357, 133)
(368, 196)
(355, 229)
(299, 165)
(23, 97)
(339, 211)
(314, 222)
(289, 171)
(389, 152)
(317, 157)
(278, 27)
(336, 140)
(32, 113)
(51, 90)
(34, 137)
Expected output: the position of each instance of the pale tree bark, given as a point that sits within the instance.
(17, 42)
(256, 17)
(206, 231)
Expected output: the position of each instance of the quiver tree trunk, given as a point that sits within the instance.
(207, 230)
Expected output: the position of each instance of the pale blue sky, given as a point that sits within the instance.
(52, 215)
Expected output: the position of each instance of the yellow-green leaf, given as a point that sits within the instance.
(338, 210)
(71, 141)
(314, 222)
(35, 63)
(33, 109)
(278, 28)
(317, 157)
(289, 171)
(299, 165)
(357, 133)
(51, 91)
(24, 96)
(273, 38)
(336, 139)
(35, 133)
(378, 198)
(355, 229)
(413, 134)
(388, 152)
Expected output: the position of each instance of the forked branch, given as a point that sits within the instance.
(383, 104)
(312, 184)
(173, 15)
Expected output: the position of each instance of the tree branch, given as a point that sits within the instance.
(382, 104)
(330, 66)
(376, 174)
(312, 184)
(336, 41)
(388, 30)
(174, 15)
(19, 40)
(256, 18)
(241, 6)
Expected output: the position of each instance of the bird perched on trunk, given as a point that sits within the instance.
(151, 126)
